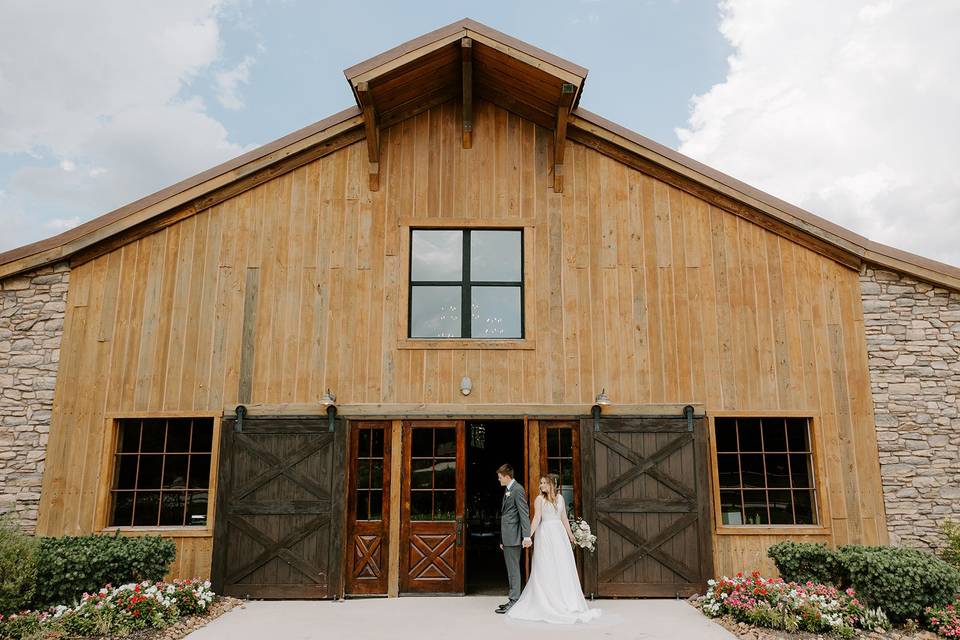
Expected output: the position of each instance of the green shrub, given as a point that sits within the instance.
(951, 553)
(901, 581)
(806, 561)
(69, 566)
(18, 568)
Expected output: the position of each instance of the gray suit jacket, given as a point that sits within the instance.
(514, 516)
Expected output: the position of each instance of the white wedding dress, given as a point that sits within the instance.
(553, 591)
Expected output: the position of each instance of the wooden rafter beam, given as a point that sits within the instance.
(466, 58)
(567, 92)
(373, 132)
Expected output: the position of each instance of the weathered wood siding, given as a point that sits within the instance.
(633, 285)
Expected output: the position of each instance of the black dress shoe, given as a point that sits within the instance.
(504, 610)
(505, 605)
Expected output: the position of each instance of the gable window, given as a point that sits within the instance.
(452, 270)
(765, 470)
(161, 472)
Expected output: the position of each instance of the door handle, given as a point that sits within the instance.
(459, 532)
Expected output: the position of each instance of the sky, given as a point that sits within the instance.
(846, 108)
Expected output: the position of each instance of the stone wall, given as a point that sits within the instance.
(913, 342)
(32, 308)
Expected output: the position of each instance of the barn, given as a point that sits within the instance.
(305, 365)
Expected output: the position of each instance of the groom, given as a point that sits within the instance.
(514, 530)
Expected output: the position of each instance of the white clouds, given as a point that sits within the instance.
(228, 81)
(100, 93)
(845, 108)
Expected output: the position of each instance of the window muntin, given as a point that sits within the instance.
(161, 472)
(765, 471)
(452, 271)
(433, 473)
(368, 488)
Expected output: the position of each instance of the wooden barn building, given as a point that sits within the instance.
(305, 365)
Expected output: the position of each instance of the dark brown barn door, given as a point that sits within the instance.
(279, 524)
(368, 508)
(645, 494)
(434, 481)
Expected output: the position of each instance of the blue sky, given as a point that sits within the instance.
(834, 105)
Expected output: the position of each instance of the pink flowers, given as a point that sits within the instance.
(944, 620)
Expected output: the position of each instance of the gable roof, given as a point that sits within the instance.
(415, 61)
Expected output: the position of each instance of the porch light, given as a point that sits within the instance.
(601, 401)
(466, 386)
(329, 401)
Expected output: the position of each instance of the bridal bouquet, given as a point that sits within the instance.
(582, 536)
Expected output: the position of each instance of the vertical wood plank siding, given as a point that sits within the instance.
(633, 285)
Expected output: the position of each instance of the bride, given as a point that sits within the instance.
(553, 591)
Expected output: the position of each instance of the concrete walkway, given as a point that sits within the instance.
(467, 618)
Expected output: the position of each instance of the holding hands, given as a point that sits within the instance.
(527, 543)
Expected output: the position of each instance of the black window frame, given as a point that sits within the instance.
(466, 285)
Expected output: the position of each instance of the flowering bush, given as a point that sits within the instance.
(582, 536)
(790, 606)
(943, 620)
(114, 610)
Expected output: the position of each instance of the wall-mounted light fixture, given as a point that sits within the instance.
(601, 401)
(466, 386)
(329, 401)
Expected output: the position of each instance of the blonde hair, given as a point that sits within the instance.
(553, 488)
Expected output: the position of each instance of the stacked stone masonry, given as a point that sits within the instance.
(32, 309)
(913, 342)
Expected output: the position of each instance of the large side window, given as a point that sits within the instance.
(765, 469)
(161, 472)
(466, 283)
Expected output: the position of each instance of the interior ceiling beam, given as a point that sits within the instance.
(567, 92)
(466, 58)
(373, 132)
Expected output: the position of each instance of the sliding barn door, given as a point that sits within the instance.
(279, 524)
(645, 493)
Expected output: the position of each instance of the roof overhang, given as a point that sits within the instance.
(466, 61)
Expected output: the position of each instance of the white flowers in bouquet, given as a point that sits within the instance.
(582, 536)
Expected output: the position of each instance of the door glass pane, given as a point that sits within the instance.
(445, 474)
(496, 312)
(363, 443)
(421, 474)
(376, 474)
(445, 505)
(376, 505)
(446, 443)
(421, 505)
(435, 312)
(495, 256)
(566, 443)
(436, 255)
(553, 442)
(363, 505)
(422, 443)
(377, 447)
(363, 474)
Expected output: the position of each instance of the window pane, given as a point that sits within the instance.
(421, 505)
(435, 312)
(202, 436)
(804, 505)
(730, 507)
(444, 505)
(199, 471)
(751, 470)
(126, 472)
(797, 434)
(496, 312)
(800, 469)
(129, 436)
(149, 475)
(376, 474)
(171, 508)
(376, 505)
(755, 507)
(436, 255)
(421, 474)
(363, 474)
(553, 442)
(363, 505)
(495, 256)
(153, 435)
(363, 443)
(178, 436)
(749, 429)
(777, 472)
(728, 468)
(146, 509)
(781, 508)
(726, 431)
(566, 443)
(566, 475)
(376, 449)
(774, 435)
(122, 509)
(422, 443)
(197, 508)
(175, 472)
(446, 443)
(445, 474)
